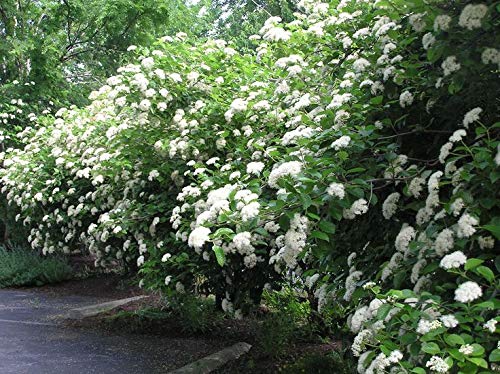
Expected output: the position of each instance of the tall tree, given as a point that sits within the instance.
(67, 47)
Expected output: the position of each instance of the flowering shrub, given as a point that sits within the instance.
(357, 147)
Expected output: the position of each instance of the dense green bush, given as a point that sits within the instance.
(321, 364)
(355, 154)
(20, 267)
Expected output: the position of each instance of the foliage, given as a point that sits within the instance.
(321, 364)
(237, 20)
(355, 153)
(194, 314)
(59, 50)
(20, 267)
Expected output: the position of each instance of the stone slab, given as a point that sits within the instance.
(214, 361)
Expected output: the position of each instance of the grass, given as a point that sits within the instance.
(20, 267)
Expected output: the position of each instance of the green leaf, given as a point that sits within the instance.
(223, 232)
(377, 100)
(383, 311)
(494, 355)
(478, 349)
(454, 339)
(327, 226)
(486, 272)
(306, 200)
(320, 235)
(494, 229)
(481, 362)
(219, 255)
(430, 347)
(472, 263)
(408, 338)
(418, 370)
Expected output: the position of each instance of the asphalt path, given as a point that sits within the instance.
(34, 340)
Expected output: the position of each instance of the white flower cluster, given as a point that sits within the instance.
(472, 16)
(467, 292)
(453, 260)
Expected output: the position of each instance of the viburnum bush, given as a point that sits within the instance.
(355, 153)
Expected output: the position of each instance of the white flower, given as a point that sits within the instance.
(198, 237)
(166, 257)
(449, 320)
(148, 63)
(359, 207)
(369, 285)
(360, 340)
(466, 349)
(395, 357)
(153, 174)
(457, 206)
(472, 15)
(486, 242)
(175, 77)
(491, 325)
(342, 142)
(445, 151)
(140, 261)
(167, 280)
(255, 167)
(405, 99)
(416, 186)
(417, 21)
(437, 364)
(471, 116)
(424, 326)
(450, 65)
(351, 284)
(360, 65)
(250, 211)
(442, 22)
(243, 242)
(466, 225)
(336, 189)
(428, 40)
(453, 260)
(416, 269)
(444, 242)
(490, 56)
(193, 76)
(467, 292)
(144, 105)
(276, 34)
(458, 135)
(405, 236)
(287, 168)
(390, 205)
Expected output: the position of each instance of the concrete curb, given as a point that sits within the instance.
(214, 361)
(92, 310)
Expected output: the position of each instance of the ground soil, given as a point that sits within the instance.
(105, 286)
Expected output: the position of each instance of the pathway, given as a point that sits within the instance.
(34, 341)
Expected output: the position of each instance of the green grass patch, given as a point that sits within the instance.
(20, 267)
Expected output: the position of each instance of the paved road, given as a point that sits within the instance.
(34, 341)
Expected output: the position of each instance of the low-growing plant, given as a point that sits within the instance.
(194, 314)
(316, 363)
(276, 333)
(20, 267)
